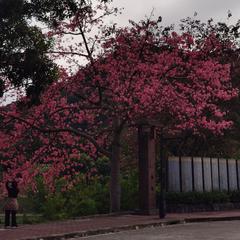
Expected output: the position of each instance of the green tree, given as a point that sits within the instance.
(24, 62)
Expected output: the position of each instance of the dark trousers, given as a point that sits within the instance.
(12, 214)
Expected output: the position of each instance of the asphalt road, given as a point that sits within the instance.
(229, 230)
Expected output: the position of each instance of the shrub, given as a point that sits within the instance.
(234, 196)
(34, 201)
(129, 196)
(83, 192)
(54, 207)
(197, 197)
(86, 206)
(102, 198)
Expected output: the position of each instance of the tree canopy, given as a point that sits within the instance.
(228, 35)
(170, 78)
(145, 71)
(24, 63)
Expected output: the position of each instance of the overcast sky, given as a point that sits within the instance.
(174, 10)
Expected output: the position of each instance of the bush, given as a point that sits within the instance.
(234, 196)
(54, 207)
(102, 198)
(85, 207)
(129, 196)
(34, 201)
(197, 197)
(87, 199)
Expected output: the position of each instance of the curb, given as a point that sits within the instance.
(211, 219)
(131, 227)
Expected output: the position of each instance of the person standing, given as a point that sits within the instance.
(11, 206)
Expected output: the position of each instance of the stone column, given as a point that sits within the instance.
(147, 176)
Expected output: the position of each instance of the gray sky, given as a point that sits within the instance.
(173, 10)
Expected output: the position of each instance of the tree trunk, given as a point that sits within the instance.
(115, 187)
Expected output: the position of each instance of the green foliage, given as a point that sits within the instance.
(234, 196)
(34, 201)
(89, 196)
(197, 197)
(102, 198)
(86, 206)
(103, 169)
(52, 11)
(23, 59)
(53, 208)
(92, 197)
(87, 199)
(129, 194)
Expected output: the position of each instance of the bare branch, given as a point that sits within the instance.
(68, 53)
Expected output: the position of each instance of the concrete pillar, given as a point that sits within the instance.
(147, 168)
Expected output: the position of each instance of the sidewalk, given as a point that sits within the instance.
(104, 224)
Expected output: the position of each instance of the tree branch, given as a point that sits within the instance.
(68, 53)
(59, 130)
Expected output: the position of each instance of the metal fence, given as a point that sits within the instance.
(203, 174)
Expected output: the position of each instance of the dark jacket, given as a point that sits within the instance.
(12, 189)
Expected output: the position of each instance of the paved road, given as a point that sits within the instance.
(191, 231)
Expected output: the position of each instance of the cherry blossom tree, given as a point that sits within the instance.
(143, 72)
(227, 34)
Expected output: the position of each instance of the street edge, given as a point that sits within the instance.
(131, 227)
